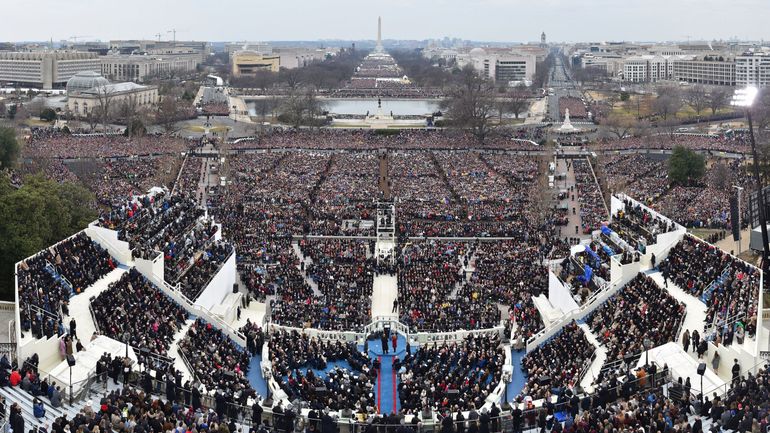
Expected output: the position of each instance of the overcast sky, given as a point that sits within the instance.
(489, 20)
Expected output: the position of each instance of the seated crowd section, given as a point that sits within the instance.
(457, 375)
(640, 311)
(275, 214)
(726, 284)
(300, 365)
(558, 364)
(47, 280)
(134, 311)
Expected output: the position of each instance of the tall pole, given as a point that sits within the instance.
(740, 190)
(760, 197)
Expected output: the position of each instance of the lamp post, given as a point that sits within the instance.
(745, 98)
(740, 190)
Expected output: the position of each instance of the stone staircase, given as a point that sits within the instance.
(24, 400)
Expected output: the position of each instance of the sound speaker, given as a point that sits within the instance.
(70, 360)
(734, 217)
(702, 368)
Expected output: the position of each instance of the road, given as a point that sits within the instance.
(562, 85)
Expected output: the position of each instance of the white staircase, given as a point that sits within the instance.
(587, 383)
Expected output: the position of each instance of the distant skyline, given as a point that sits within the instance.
(479, 20)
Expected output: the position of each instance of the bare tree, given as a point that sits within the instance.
(301, 107)
(617, 126)
(169, 113)
(668, 102)
(697, 98)
(717, 98)
(104, 98)
(472, 103)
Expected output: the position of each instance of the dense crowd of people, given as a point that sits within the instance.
(60, 144)
(216, 361)
(132, 310)
(593, 209)
(729, 286)
(47, 280)
(558, 364)
(310, 369)
(457, 375)
(641, 311)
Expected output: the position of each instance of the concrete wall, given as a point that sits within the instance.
(219, 286)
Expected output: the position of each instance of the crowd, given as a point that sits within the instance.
(729, 286)
(510, 273)
(216, 361)
(592, 207)
(366, 139)
(153, 222)
(450, 375)
(429, 278)
(203, 268)
(135, 312)
(334, 375)
(47, 280)
(641, 311)
(557, 365)
(66, 146)
(638, 226)
(711, 143)
(576, 107)
(638, 175)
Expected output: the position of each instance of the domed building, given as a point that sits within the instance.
(85, 80)
(88, 90)
(477, 52)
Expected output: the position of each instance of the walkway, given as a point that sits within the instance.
(596, 365)
(519, 378)
(386, 396)
(384, 293)
(383, 178)
(572, 200)
(79, 304)
(173, 350)
(695, 316)
(255, 377)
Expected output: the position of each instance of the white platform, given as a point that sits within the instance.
(683, 365)
(85, 361)
(696, 309)
(79, 304)
(547, 311)
(384, 293)
(587, 383)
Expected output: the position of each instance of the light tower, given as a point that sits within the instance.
(542, 40)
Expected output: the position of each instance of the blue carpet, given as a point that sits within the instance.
(386, 394)
(255, 376)
(519, 378)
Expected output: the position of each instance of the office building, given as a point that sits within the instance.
(45, 69)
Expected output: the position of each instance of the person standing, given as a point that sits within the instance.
(394, 341)
(695, 340)
(736, 372)
(686, 340)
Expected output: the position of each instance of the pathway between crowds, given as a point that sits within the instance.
(572, 217)
(385, 291)
(386, 388)
(596, 365)
(383, 178)
(255, 377)
(173, 350)
(695, 316)
(519, 378)
(79, 304)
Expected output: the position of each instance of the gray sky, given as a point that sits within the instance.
(492, 20)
